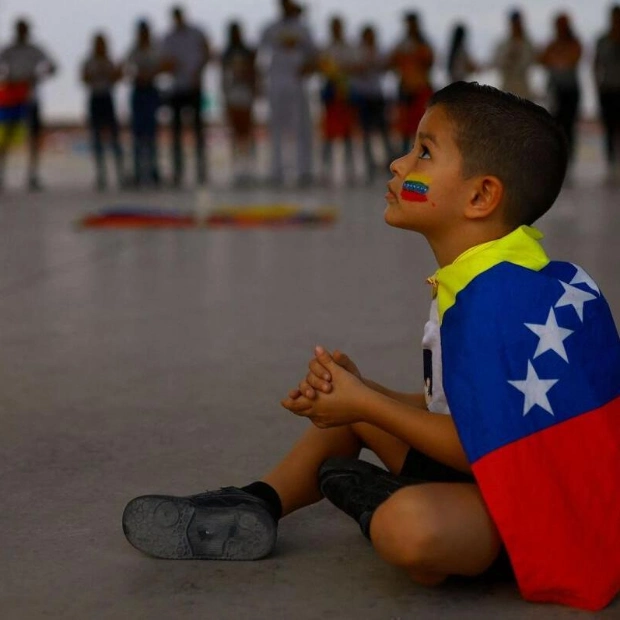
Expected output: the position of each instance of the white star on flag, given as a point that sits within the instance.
(581, 277)
(535, 390)
(551, 335)
(575, 297)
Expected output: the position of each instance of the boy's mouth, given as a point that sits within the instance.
(391, 195)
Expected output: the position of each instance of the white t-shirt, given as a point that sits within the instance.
(238, 83)
(289, 44)
(101, 74)
(514, 58)
(143, 63)
(367, 80)
(436, 400)
(24, 62)
(607, 63)
(187, 47)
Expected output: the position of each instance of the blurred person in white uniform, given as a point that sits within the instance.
(290, 56)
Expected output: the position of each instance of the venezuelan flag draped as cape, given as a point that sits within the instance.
(531, 365)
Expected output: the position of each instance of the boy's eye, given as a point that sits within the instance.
(424, 153)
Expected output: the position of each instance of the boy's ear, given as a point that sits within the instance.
(485, 198)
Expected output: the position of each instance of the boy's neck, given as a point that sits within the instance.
(449, 248)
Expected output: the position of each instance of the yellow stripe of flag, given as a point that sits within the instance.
(520, 247)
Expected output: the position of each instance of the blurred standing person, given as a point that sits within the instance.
(335, 62)
(186, 54)
(23, 63)
(561, 59)
(514, 57)
(100, 75)
(367, 92)
(460, 64)
(142, 66)
(607, 75)
(290, 55)
(239, 90)
(412, 60)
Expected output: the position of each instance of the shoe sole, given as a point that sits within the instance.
(175, 528)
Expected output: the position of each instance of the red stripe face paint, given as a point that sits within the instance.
(415, 188)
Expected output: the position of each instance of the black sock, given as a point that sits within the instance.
(268, 494)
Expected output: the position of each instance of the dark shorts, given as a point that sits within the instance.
(418, 465)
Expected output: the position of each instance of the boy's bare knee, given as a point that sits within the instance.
(404, 531)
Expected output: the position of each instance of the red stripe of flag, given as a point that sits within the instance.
(564, 537)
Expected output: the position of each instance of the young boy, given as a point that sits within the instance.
(521, 408)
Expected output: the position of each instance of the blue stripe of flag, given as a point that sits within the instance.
(485, 343)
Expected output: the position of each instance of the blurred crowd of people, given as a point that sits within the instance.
(168, 73)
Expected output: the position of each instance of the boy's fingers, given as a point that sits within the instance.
(338, 355)
(324, 356)
(342, 359)
(319, 370)
(295, 393)
(297, 406)
(307, 390)
(319, 384)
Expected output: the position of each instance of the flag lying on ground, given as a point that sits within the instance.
(250, 216)
(531, 371)
(14, 98)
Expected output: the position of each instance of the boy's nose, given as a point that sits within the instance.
(397, 166)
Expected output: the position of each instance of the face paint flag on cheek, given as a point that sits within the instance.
(415, 188)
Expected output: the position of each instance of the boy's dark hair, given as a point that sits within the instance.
(511, 138)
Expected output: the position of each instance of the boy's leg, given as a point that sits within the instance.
(295, 478)
(240, 524)
(435, 530)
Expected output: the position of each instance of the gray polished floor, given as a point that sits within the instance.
(153, 361)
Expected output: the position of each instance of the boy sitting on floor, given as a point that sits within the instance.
(510, 458)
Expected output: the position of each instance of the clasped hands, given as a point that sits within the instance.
(332, 393)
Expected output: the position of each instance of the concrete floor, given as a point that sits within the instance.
(153, 361)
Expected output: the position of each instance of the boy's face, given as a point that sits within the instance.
(427, 192)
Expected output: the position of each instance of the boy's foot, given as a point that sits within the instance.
(228, 524)
(358, 487)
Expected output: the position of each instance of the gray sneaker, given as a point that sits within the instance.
(228, 524)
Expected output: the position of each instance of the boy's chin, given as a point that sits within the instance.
(389, 217)
(394, 218)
